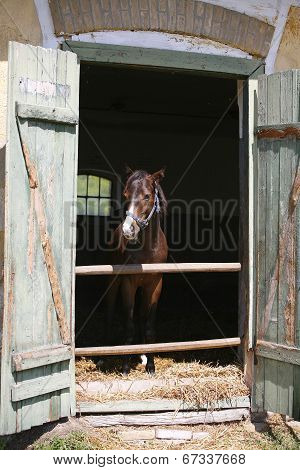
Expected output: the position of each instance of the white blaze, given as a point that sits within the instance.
(128, 221)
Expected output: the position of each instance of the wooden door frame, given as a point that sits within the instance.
(217, 66)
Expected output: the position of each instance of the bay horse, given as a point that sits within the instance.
(137, 240)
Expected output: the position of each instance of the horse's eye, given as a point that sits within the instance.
(147, 197)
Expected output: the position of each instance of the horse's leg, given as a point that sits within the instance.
(152, 294)
(111, 297)
(129, 288)
(109, 301)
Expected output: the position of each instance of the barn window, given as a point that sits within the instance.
(94, 194)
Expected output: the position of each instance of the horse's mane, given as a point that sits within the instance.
(140, 175)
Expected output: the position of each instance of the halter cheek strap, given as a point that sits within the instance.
(143, 223)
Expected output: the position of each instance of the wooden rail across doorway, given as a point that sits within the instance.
(156, 268)
(157, 347)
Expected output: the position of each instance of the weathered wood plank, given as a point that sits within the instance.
(296, 396)
(258, 390)
(40, 357)
(261, 189)
(156, 268)
(158, 347)
(115, 54)
(296, 400)
(40, 386)
(70, 159)
(139, 406)
(286, 255)
(46, 113)
(170, 418)
(279, 352)
(24, 413)
(260, 241)
(278, 131)
(271, 385)
(271, 220)
(46, 242)
(58, 181)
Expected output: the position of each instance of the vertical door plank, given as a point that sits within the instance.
(259, 387)
(69, 236)
(271, 221)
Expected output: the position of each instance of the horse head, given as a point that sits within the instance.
(145, 198)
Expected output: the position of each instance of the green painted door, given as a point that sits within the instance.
(277, 244)
(37, 357)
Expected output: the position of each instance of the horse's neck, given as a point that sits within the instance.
(152, 232)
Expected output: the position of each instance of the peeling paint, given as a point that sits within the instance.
(45, 89)
(273, 133)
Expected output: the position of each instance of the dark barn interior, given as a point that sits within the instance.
(147, 119)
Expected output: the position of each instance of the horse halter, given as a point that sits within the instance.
(143, 223)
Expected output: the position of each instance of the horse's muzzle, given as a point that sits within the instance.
(128, 236)
(130, 229)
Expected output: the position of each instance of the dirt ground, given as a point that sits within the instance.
(77, 434)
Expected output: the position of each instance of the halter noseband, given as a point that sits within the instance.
(143, 223)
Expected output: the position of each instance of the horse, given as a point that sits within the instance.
(139, 239)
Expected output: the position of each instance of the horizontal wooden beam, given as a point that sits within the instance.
(46, 113)
(142, 406)
(278, 352)
(156, 268)
(180, 60)
(41, 357)
(169, 418)
(158, 347)
(40, 386)
(278, 131)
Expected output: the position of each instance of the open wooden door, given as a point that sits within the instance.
(37, 357)
(277, 244)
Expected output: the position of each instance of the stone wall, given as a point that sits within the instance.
(192, 17)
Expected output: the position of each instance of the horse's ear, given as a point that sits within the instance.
(158, 175)
(128, 170)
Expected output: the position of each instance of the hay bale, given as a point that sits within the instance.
(210, 382)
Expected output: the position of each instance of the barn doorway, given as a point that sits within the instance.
(148, 118)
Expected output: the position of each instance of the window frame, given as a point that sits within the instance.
(115, 187)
